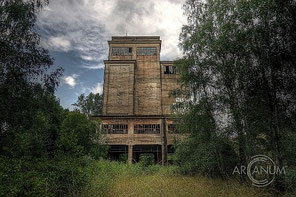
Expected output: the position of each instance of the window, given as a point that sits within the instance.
(147, 129)
(116, 128)
(146, 51)
(170, 70)
(172, 128)
(122, 51)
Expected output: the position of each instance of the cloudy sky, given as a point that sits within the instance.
(76, 33)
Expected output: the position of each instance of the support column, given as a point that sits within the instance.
(164, 148)
(130, 154)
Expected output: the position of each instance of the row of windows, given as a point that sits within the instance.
(116, 128)
(138, 129)
(122, 51)
(146, 51)
(147, 129)
(170, 70)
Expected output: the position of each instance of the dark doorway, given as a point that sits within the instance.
(155, 150)
(118, 152)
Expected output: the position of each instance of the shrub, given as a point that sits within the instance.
(146, 159)
(290, 181)
(211, 158)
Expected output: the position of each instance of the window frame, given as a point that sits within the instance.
(129, 51)
(151, 51)
(170, 70)
(116, 128)
(147, 129)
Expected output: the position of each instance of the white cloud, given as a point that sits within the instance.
(86, 25)
(87, 58)
(94, 67)
(58, 43)
(98, 88)
(71, 80)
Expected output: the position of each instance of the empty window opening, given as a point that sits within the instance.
(170, 70)
(147, 129)
(146, 51)
(116, 128)
(119, 51)
(172, 128)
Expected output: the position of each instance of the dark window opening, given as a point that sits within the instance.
(116, 128)
(170, 70)
(147, 129)
(120, 51)
(146, 51)
(172, 128)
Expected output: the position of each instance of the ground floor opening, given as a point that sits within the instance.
(134, 153)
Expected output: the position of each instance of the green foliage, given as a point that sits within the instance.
(290, 155)
(89, 105)
(77, 133)
(290, 181)
(146, 160)
(210, 158)
(204, 151)
(43, 148)
(59, 176)
(80, 136)
(26, 89)
(237, 77)
(123, 157)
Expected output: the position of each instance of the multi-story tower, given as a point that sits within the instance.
(136, 103)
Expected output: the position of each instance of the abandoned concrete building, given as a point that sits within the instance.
(136, 102)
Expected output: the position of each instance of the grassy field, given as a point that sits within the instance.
(113, 179)
(176, 185)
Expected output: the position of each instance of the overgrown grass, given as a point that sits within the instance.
(177, 185)
(119, 179)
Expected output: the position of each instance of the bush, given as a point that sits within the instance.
(290, 181)
(123, 157)
(210, 158)
(146, 160)
(59, 176)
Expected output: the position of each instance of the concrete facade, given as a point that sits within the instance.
(136, 101)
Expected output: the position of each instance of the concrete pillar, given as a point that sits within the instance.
(164, 148)
(130, 154)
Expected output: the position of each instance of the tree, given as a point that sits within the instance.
(239, 57)
(24, 81)
(90, 105)
(80, 136)
(36, 133)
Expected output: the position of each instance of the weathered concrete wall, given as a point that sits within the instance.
(118, 88)
(136, 89)
(169, 82)
(151, 86)
(132, 139)
(148, 85)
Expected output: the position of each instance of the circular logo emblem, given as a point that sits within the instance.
(261, 170)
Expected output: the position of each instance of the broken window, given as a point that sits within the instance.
(116, 128)
(119, 51)
(172, 128)
(147, 129)
(146, 51)
(170, 70)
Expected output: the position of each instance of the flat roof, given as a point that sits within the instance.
(135, 39)
(114, 38)
(135, 117)
(166, 62)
